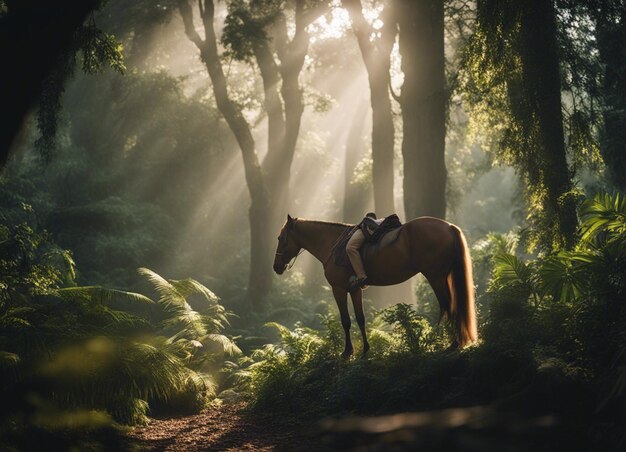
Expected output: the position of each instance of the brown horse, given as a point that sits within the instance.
(428, 245)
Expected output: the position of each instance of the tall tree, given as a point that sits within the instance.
(375, 50)
(541, 86)
(423, 103)
(610, 21)
(260, 280)
(259, 30)
(541, 89)
(513, 61)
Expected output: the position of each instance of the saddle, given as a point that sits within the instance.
(385, 234)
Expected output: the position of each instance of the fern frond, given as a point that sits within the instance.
(189, 287)
(124, 320)
(227, 344)
(185, 322)
(99, 295)
(283, 331)
(167, 293)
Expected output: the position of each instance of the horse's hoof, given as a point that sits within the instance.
(454, 346)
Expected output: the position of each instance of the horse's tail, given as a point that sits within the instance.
(461, 284)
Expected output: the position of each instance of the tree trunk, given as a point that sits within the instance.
(284, 106)
(260, 281)
(382, 144)
(354, 196)
(376, 57)
(611, 35)
(542, 89)
(294, 108)
(423, 103)
(274, 166)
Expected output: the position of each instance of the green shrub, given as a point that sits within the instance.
(67, 351)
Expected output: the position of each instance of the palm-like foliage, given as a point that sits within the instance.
(572, 275)
(583, 289)
(597, 263)
(604, 212)
(112, 350)
(514, 278)
(563, 275)
(114, 374)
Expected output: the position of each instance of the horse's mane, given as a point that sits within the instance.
(327, 223)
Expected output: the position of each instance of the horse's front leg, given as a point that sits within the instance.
(357, 302)
(341, 297)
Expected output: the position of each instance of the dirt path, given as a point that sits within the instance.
(224, 429)
(478, 428)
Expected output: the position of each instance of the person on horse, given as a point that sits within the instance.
(365, 230)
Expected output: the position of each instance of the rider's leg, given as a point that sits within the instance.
(352, 248)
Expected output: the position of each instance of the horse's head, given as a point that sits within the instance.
(287, 247)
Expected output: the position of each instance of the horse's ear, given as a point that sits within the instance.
(289, 219)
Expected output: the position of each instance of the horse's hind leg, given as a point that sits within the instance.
(357, 302)
(442, 292)
(341, 297)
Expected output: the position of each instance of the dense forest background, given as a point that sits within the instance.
(151, 152)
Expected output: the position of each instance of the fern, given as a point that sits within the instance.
(182, 321)
(99, 295)
(411, 328)
(299, 344)
(228, 345)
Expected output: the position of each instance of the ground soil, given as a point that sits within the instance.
(471, 429)
(227, 428)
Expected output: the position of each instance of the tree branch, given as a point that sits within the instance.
(231, 112)
(388, 32)
(292, 54)
(187, 15)
(307, 17)
(362, 31)
(272, 101)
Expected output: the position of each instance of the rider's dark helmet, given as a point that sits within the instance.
(371, 215)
